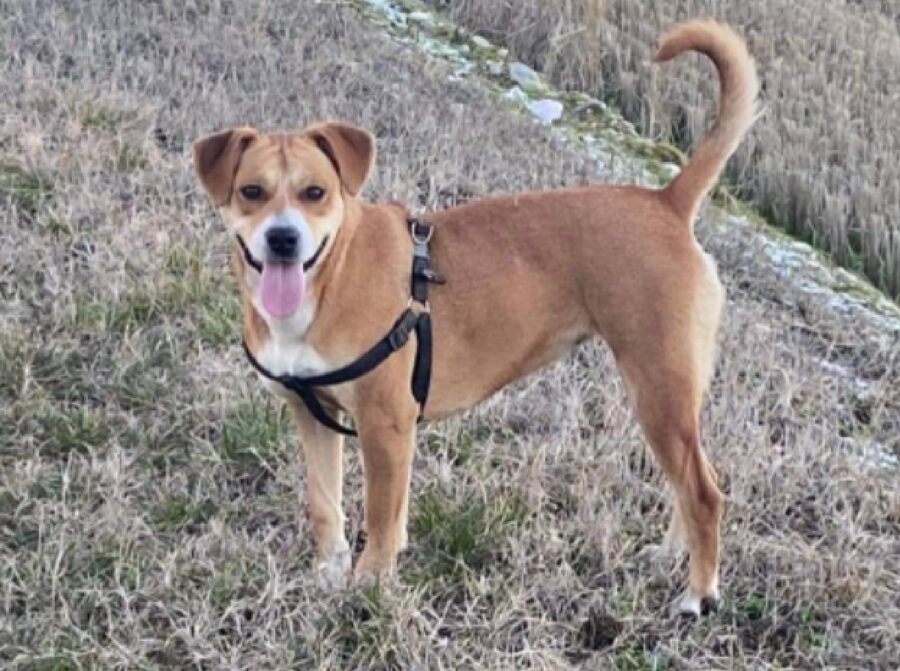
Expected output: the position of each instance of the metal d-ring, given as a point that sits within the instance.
(417, 237)
(426, 306)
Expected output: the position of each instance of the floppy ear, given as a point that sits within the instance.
(216, 159)
(351, 150)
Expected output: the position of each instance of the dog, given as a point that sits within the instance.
(323, 275)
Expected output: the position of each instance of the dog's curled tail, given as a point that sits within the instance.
(737, 108)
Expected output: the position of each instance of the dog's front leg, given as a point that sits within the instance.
(323, 450)
(388, 444)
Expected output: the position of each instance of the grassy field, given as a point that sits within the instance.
(822, 161)
(149, 511)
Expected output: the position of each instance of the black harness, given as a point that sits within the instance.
(410, 320)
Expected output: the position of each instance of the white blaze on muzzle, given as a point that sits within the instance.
(283, 283)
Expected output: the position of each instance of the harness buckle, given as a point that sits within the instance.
(397, 339)
(433, 276)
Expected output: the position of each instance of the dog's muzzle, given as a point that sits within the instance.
(257, 266)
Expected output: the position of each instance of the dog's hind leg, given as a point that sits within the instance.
(673, 432)
(667, 365)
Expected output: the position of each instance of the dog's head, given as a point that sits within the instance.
(285, 196)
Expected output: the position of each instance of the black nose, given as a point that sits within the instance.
(283, 242)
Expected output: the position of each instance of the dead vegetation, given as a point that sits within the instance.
(821, 162)
(149, 513)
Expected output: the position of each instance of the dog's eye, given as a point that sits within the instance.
(252, 192)
(314, 193)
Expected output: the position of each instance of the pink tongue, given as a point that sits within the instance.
(282, 288)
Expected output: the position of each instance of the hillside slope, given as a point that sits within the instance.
(148, 488)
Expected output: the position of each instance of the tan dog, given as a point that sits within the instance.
(528, 276)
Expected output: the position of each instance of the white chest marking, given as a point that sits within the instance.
(287, 351)
(295, 358)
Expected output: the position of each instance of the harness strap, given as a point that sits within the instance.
(397, 337)
(305, 394)
(421, 377)
(422, 276)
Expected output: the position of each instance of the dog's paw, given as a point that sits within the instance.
(692, 604)
(659, 553)
(372, 569)
(333, 570)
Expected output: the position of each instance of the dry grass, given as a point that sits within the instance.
(148, 489)
(822, 162)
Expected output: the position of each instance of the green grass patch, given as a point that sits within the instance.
(129, 313)
(181, 513)
(59, 432)
(116, 562)
(57, 225)
(251, 434)
(813, 635)
(20, 529)
(459, 452)
(12, 368)
(220, 319)
(461, 538)
(463, 449)
(218, 308)
(235, 578)
(183, 261)
(128, 157)
(187, 291)
(194, 295)
(89, 313)
(8, 430)
(68, 482)
(755, 607)
(135, 311)
(132, 311)
(363, 631)
(62, 661)
(167, 444)
(27, 190)
(102, 118)
(142, 386)
(633, 657)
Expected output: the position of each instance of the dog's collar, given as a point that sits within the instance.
(397, 337)
(256, 265)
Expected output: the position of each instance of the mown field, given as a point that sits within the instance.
(821, 162)
(150, 513)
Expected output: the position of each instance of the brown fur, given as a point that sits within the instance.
(527, 277)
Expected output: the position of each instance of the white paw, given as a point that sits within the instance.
(333, 571)
(691, 603)
(658, 553)
(688, 604)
